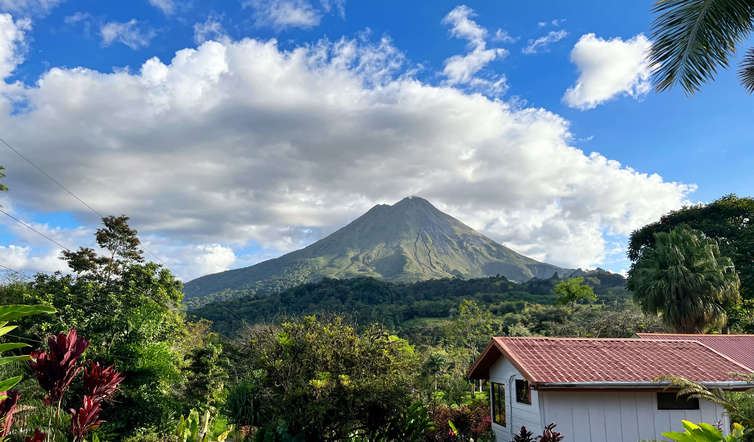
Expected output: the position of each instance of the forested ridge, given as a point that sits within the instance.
(400, 305)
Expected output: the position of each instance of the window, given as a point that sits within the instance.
(670, 401)
(498, 403)
(523, 392)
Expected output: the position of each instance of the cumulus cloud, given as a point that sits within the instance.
(609, 68)
(12, 43)
(239, 143)
(29, 7)
(23, 259)
(462, 69)
(166, 6)
(130, 33)
(542, 43)
(210, 29)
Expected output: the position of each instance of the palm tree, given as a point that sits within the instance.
(684, 278)
(692, 38)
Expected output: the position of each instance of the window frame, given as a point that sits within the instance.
(525, 384)
(497, 395)
(676, 402)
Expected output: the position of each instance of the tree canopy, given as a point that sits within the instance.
(573, 290)
(683, 277)
(728, 220)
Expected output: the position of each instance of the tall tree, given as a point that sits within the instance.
(729, 221)
(572, 290)
(693, 38)
(130, 311)
(684, 278)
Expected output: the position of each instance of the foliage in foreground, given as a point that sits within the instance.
(321, 380)
(130, 312)
(703, 432)
(693, 38)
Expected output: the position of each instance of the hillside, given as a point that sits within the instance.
(407, 242)
(368, 300)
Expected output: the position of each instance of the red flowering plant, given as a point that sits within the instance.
(86, 418)
(101, 383)
(56, 367)
(37, 437)
(7, 409)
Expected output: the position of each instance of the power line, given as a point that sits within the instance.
(40, 170)
(10, 269)
(34, 230)
(50, 177)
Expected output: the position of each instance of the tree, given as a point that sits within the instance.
(684, 278)
(572, 290)
(693, 38)
(321, 380)
(130, 311)
(729, 221)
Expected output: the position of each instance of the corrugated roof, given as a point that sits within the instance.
(737, 347)
(607, 361)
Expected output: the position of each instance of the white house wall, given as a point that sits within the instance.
(517, 415)
(619, 416)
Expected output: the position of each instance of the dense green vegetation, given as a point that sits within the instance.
(728, 221)
(406, 242)
(684, 277)
(401, 305)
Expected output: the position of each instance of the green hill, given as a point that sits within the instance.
(407, 242)
(398, 305)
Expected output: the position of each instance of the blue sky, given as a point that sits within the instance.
(233, 131)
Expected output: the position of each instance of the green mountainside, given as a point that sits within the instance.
(407, 242)
(400, 306)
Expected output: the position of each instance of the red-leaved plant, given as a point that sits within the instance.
(85, 418)
(101, 383)
(37, 437)
(55, 368)
(7, 408)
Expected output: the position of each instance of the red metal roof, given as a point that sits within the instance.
(594, 360)
(737, 347)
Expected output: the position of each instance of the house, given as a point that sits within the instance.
(600, 390)
(737, 347)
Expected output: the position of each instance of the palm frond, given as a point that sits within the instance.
(746, 73)
(692, 38)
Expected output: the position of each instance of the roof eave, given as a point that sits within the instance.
(725, 385)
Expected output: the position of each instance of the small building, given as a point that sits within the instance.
(600, 390)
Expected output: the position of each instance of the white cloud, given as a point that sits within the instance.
(23, 259)
(503, 36)
(166, 6)
(282, 14)
(609, 68)
(29, 7)
(210, 258)
(461, 69)
(129, 33)
(12, 43)
(210, 29)
(540, 44)
(338, 6)
(243, 142)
